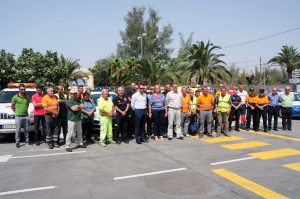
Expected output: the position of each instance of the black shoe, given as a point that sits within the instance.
(126, 141)
(118, 142)
(38, 143)
(144, 140)
(210, 135)
(265, 130)
(256, 130)
(275, 129)
(226, 134)
(69, 149)
(50, 146)
(17, 145)
(180, 138)
(247, 129)
(200, 135)
(284, 128)
(237, 129)
(229, 129)
(138, 141)
(169, 138)
(82, 146)
(289, 129)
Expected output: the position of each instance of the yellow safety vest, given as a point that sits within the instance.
(223, 103)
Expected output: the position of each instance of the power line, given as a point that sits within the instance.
(266, 37)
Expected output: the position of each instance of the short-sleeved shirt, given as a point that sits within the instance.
(73, 115)
(206, 103)
(121, 103)
(50, 103)
(36, 98)
(21, 104)
(235, 99)
(157, 102)
(250, 100)
(261, 100)
(63, 111)
(287, 100)
(106, 105)
(273, 99)
(89, 105)
(243, 95)
(174, 99)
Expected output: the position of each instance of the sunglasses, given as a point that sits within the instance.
(22, 89)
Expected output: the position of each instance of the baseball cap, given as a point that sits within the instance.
(73, 90)
(261, 90)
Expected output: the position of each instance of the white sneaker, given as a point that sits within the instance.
(102, 144)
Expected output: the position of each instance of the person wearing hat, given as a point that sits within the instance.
(236, 103)
(251, 111)
(261, 104)
(74, 119)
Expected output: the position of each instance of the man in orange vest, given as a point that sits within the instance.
(185, 111)
(51, 107)
(251, 112)
(205, 104)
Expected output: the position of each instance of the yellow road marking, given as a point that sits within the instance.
(222, 139)
(294, 166)
(266, 155)
(245, 145)
(248, 184)
(273, 135)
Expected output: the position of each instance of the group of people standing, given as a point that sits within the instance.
(172, 112)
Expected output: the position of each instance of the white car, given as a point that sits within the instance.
(96, 95)
(7, 116)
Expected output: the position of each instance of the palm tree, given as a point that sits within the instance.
(200, 65)
(289, 57)
(68, 68)
(151, 71)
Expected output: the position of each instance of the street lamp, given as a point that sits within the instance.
(141, 38)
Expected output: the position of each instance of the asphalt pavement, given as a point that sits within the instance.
(245, 165)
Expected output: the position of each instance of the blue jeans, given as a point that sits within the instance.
(22, 122)
(140, 116)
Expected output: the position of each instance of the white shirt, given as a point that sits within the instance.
(138, 101)
(174, 99)
(242, 95)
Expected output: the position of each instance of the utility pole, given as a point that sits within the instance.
(259, 69)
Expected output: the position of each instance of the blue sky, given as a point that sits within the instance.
(89, 30)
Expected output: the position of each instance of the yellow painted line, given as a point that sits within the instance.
(245, 145)
(266, 155)
(222, 139)
(273, 135)
(294, 166)
(248, 184)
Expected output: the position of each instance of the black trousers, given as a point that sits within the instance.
(158, 120)
(62, 123)
(251, 114)
(37, 120)
(273, 112)
(87, 129)
(263, 114)
(131, 122)
(286, 117)
(122, 127)
(236, 113)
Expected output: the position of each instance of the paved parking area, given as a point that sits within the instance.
(246, 165)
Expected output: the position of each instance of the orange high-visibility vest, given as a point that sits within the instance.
(186, 104)
(206, 103)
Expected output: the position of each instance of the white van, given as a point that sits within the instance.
(7, 116)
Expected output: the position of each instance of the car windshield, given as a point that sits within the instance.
(297, 96)
(98, 95)
(6, 96)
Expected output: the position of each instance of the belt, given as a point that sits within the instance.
(142, 109)
(174, 108)
(273, 106)
(21, 115)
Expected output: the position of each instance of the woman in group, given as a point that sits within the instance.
(156, 111)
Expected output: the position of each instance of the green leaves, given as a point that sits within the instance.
(45, 69)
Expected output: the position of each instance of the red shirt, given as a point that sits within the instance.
(36, 98)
